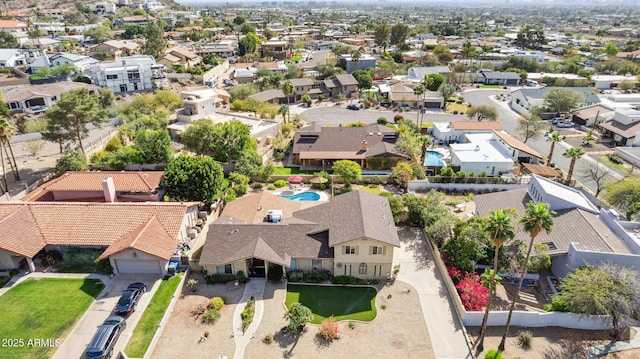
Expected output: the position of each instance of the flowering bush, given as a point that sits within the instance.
(473, 294)
(329, 329)
(397, 117)
(456, 274)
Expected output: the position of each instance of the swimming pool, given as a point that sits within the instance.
(433, 159)
(303, 196)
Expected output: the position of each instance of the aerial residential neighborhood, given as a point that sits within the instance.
(317, 179)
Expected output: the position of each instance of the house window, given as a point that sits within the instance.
(123, 88)
(377, 250)
(316, 264)
(293, 265)
(225, 269)
(112, 77)
(363, 268)
(133, 75)
(350, 250)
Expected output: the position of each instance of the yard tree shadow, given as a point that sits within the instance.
(285, 338)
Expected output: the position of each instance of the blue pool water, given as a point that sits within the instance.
(303, 196)
(433, 159)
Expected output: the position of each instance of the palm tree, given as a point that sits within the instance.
(573, 153)
(356, 55)
(553, 137)
(287, 89)
(501, 230)
(537, 217)
(7, 130)
(284, 110)
(418, 91)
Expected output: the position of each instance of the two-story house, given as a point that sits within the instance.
(129, 74)
(116, 48)
(260, 231)
(278, 49)
(179, 56)
(347, 85)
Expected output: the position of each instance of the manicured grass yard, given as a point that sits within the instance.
(344, 303)
(279, 170)
(42, 309)
(148, 324)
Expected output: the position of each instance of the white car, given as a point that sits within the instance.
(565, 124)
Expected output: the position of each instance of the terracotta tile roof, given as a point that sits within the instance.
(12, 24)
(516, 143)
(476, 125)
(92, 181)
(570, 225)
(88, 224)
(20, 235)
(149, 237)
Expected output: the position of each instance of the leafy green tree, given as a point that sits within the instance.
(99, 33)
(395, 204)
(199, 136)
(71, 161)
(528, 38)
(446, 90)
(154, 146)
(248, 44)
(124, 156)
(537, 218)
(189, 178)
(74, 111)
(433, 81)
(482, 112)
(611, 49)
(306, 99)
(240, 182)
(239, 20)
(530, 126)
(573, 153)
(298, 316)
(8, 41)
(382, 34)
(624, 195)
(522, 73)
(602, 290)
(231, 139)
(399, 32)
(155, 43)
(349, 170)
(247, 28)
(561, 100)
(105, 97)
(365, 81)
(465, 248)
(132, 31)
(500, 229)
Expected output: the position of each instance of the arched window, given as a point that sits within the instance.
(363, 268)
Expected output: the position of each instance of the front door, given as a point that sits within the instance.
(256, 268)
(347, 269)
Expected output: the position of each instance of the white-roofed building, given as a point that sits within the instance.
(481, 154)
(130, 74)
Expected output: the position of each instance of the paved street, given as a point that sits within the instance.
(328, 114)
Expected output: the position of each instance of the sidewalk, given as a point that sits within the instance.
(600, 350)
(254, 288)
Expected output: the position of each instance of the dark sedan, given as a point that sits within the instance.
(353, 107)
(129, 298)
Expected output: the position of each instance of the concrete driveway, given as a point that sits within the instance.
(417, 268)
(76, 342)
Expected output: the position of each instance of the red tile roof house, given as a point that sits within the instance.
(353, 234)
(373, 147)
(91, 186)
(136, 237)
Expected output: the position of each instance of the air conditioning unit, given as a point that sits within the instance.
(339, 265)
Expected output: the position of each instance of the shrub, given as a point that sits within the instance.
(382, 120)
(347, 279)
(210, 316)
(295, 275)
(104, 266)
(493, 354)
(397, 117)
(280, 183)
(329, 329)
(256, 185)
(114, 144)
(81, 256)
(241, 277)
(219, 278)
(524, 339)
(215, 303)
(383, 306)
(275, 273)
(473, 294)
(268, 338)
(14, 271)
(247, 314)
(38, 125)
(316, 276)
(352, 325)
(271, 187)
(278, 156)
(556, 305)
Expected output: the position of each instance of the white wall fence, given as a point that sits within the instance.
(538, 320)
(425, 185)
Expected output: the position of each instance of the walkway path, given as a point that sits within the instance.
(600, 350)
(418, 269)
(255, 288)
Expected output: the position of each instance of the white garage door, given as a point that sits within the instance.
(138, 266)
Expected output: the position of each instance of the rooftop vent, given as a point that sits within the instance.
(477, 148)
(274, 215)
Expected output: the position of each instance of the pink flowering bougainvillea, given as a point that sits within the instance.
(473, 294)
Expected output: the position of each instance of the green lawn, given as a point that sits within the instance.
(43, 309)
(490, 86)
(279, 170)
(374, 190)
(148, 324)
(344, 303)
(77, 268)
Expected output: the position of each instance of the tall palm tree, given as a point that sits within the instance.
(287, 89)
(553, 137)
(501, 230)
(7, 130)
(284, 111)
(537, 218)
(573, 153)
(418, 91)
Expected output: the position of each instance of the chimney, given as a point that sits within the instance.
(363, 146)
(109, 190)
(477, 148)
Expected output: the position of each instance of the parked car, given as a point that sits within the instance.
(557, 119)
(353, 106)
(565, 124)
(129, 298)
(101, 346)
